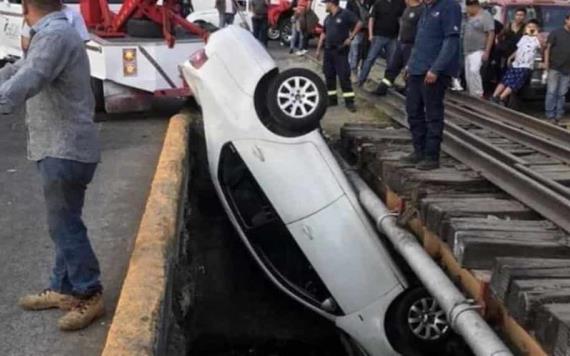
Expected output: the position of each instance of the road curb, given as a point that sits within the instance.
(136, 323)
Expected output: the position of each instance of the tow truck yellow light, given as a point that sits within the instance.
(129, 62)
(129, 54)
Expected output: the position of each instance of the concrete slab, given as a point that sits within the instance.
(115, 203)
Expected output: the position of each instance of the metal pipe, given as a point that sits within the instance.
(461, 313)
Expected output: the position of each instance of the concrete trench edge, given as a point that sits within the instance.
(136, 324)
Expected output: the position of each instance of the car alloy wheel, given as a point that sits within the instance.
(427, 320)
(296, 101)
(298, 97)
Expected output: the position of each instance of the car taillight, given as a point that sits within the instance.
(198, 59)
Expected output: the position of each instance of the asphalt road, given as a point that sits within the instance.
(115, 203)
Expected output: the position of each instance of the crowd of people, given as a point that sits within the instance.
(498, 59)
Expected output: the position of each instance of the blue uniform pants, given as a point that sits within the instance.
(425, 109)
(76, 270)
(336, 65)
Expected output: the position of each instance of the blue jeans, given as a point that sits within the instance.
(380, 46)
(259, 25)
(425, 109)
(355, 51)
(76, 270)
(296, 35)
(556, 89)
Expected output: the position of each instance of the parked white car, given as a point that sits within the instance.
(292, 205)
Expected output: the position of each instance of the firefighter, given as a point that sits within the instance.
(340, 28)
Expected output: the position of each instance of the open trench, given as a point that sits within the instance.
(221, 302)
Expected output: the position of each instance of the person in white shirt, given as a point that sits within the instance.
(522, 64)
(73, 17)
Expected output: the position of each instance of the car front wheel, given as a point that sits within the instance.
(419, 323)
(297, 100)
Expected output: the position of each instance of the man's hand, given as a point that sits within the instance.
(485, 56)
(318, 53)
(430, 78)
(347, 42)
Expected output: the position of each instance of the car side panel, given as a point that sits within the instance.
(295, 177)
(349, 260)
(246, 63)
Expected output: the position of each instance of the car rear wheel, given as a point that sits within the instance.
(419, 323)
(297, 100)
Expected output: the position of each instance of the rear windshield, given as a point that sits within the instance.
(550, 17)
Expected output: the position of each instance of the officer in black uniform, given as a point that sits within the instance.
(340, 28)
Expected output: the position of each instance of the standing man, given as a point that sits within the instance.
(399, 58)
(258, 9)
(557, 62)
(226, 11)
(53, 80)
(340, 28)
(478, 41)
(383, 29)
(434, 59)
(361, 9)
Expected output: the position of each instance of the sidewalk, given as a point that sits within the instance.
(115, 203)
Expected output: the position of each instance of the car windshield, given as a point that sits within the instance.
(550, 17)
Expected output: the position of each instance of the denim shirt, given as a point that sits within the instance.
(437, 40)
(53, 79)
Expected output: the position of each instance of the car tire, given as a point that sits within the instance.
(285, 30)
(143, 28)
(98, 94)
(297, 100)
(419, 324)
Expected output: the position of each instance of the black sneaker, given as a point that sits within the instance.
(495, 100)
(412, 158)
(427, 165)
(333, 102)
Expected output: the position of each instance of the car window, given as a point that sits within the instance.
(550, 17)
(15, 1)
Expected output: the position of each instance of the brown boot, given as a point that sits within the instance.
(48, 299)
(83, 313)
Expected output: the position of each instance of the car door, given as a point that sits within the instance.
(268, 237)
(295, 177)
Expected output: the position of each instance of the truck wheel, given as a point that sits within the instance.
(143, 28)
(297, 100)
(97, 87)
(285, 30)
(273, 33)
(418, 322)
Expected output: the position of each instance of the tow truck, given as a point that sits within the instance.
(134, 51)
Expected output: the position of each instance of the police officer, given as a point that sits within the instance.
(341, 26)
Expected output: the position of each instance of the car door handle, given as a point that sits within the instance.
(308, 232)
(257, 152)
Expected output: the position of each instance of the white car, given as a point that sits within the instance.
(292, 205)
